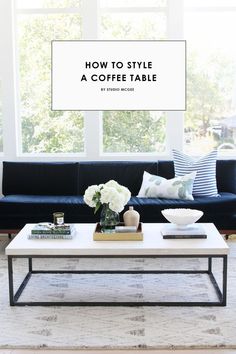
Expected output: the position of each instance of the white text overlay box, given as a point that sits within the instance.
(119, 75)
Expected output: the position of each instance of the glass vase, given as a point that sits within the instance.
(109, 219)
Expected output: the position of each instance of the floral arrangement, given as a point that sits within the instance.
(111, 193)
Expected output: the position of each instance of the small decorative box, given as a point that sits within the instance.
(98, 235)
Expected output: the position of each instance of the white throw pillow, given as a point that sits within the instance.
(205, 181)
(159, 187)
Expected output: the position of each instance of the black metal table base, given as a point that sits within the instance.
(221, 292)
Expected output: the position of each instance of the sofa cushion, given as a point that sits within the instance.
(205, 181)
(225, 203)
(221, 211)
(128, 174)
(159, 187)
(29, 205)
(226, 175)
(17, 210)
(40, 178)
(166, 169)
(35, 208)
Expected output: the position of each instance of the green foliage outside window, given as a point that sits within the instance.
(133, 131)
(44, 130)
(209, 100)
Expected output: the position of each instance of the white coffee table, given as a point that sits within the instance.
(153, 245)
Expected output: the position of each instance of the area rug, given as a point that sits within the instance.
(117, 327)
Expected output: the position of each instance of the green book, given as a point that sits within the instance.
(50, 237)
(51, 229)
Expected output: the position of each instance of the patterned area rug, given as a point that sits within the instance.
(117, 327)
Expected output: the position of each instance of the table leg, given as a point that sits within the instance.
(10, 276)
(209, 264)
(30, 264)
(224, 283)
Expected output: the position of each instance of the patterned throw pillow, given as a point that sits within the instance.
(205, 181)
(159, 187)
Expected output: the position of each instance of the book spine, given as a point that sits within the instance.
(183, 236)
(50, 237)
(50, 232)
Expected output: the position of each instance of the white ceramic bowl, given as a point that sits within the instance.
(182, 217)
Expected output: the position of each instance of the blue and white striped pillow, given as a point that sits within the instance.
(205, 181)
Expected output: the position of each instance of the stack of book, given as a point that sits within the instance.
(51, 231)
(192, 231)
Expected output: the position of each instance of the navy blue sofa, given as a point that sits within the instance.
(32, 191)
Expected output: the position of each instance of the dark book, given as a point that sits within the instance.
(184, 236)
(194, 231)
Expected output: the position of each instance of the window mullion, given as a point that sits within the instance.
(90, 18)
(133, 10)
(46, 11)
(175, 120)
(9, 109)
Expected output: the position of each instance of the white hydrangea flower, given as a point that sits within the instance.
(112, 183)
(117, 202)
(126, 193)
(89, 195)
(111, 193)
(121, 189)
(106, 194)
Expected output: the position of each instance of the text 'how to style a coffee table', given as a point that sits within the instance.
(152, 246)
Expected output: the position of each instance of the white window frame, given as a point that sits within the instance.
(229, 154)
(92, 119)
(173, 140)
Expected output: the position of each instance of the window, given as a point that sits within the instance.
(140, 131)
(210, 120)
(1, 130)
(42, 130)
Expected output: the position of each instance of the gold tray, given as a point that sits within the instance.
(98, 235)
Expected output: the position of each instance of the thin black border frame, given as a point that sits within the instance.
(117, 110)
